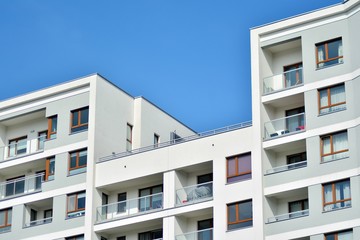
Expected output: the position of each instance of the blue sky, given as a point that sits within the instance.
(189, 57)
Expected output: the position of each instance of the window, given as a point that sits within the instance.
(295, 120)
(5, 220)
(39, 179)
(334, 146)
(79, 237)
(77, 162)
(332, 99)
(239, 215)
(15, 186)
(296, 160)
(238, 167)
(297, 208)
(155, 234)
(52, 127)
(344, 235)
(293, 75)
(103, 238)
(329, 53)
(121, 202)
(150, 198)
(121, 238)
(204, 228)
(41, 139)
(76, 205)
(48, 215)
(50, 169)
(79, 119)
(156, 139)
(128, 137)
(336, 195)
(17, 146)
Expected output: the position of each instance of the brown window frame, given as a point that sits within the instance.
(328, 90)
(39, 135)
(77, 209)
(77, 152)
(237, 174)
(326, 47)
(331, 145)
(336, 234)
(47, 168)
(16, 143)
(237, 221)
(79, 124)
(7, 224)
(333, 192)
(50, 126)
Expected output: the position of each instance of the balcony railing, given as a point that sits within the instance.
(195, 193)
(22, 148)
(283, 126)
(283, 81)
(288, 216)
(206, 234)
(130, 207)
(21, 186)
(287, 167)
(38, 222)
(176, 141)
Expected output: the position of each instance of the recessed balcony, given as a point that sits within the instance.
(285, 126)
(201, 234)
(193, 194)
(283, 81)
(21, 186)
(131, 207)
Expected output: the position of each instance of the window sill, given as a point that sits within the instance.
(334, 160)
(76, 215)
(332, 65)
(76, 132)
(74, 174)
(330, 112)
(337, 209)
(243, 180)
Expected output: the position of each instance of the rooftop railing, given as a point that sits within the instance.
(22, 148)
(197, 235)
(195, 193)
(21, 186)
(38, 222)
(287, 167)
(135, 206)
(175, 141)
(288, 216)
(283, 126)
(283, 81)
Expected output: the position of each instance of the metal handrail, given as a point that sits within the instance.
(176, 141)
(194, 193)
(288, 216)
(30, 146)
(269, 88)
(287, 167)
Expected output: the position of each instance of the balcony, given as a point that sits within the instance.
(22, 148)
(194, 194)
(38, 222)
(288, 216)
(127, 208)
(287, 167)
(284, 126)
(283, 81)
(206, 234)
(21, 186)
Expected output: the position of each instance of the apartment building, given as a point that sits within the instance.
(305, 78)
(85, 160)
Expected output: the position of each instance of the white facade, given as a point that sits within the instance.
(85, 160)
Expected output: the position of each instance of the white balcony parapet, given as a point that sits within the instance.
(22, 148)
(21, 186)
(38, 222)
(127, 208)
(194, 194)
(283, 81)
(287, 167)
(175, 141)
(197, 235)
(288, 216)
(283, 126)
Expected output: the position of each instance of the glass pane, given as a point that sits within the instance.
(144, 192)
(333, 48)
(52, 166)
(82, 158)
(328, 193)
(21, 146)
(340, 141)
(157, 189)
(337, 94)
(330, 236)
(244, 163)
(81, 200)
(71, 203)
(345, 235)
(245, 210)
(75, 118)
(342, 190)
(73, 160)
(9, 216)
(321, 53)
(326, 145)
(19, 187)
(54, 124)
(10, 187)
(128, 132)
(295, 206)
(84, 116)
(2, 217)
(232, 213)
(323, 98)
(231, 167)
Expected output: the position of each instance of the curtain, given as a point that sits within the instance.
(337, 96)
(321, 56)
(340, 52)
(328, 197)
(342, 191)
(345, 235)
(340, 142)
(323, 98)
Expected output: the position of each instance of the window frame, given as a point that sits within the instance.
(16, 140)
(76, 205)
(13, 181)
(6, 219)
(326, 48)
(237, 174)
(74, 128)
(52, 134)
(333, 194)
(121, 204)
(238, 220)
(336, 234)
(77, 152)
(129, 138)
(331, 135)
(47, 168)
(329, 104)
